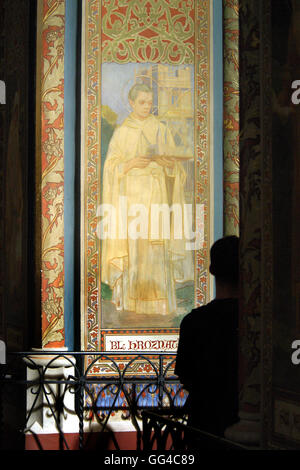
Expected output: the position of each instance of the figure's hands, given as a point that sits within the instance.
(166, 162)
(137, 162)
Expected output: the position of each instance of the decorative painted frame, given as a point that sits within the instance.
(193, 47)
(231, 118)
(50, 170)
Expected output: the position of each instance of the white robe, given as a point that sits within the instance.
(142, 272)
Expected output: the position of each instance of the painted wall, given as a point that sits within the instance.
(72, 113)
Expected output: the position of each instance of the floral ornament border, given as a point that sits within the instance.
(148, 46)
(231, 116)
(154, 31)
(50, 167)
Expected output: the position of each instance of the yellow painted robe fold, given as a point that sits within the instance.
(142, 272)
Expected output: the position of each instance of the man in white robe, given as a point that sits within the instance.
(141, 168)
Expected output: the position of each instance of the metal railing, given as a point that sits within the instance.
(165, 430)
(87, 389)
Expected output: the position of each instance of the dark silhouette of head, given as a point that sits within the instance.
(224, 260)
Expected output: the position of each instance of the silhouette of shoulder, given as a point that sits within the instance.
(205, 333)
(216, 310)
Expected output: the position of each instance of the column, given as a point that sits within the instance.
(248, 430)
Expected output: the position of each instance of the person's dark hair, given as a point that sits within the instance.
(224, 259)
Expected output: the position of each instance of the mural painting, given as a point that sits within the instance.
(147, 266)
(144, 171)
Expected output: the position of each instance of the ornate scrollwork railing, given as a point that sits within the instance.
(88, 391)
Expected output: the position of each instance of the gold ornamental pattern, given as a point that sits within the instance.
(148, 31)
